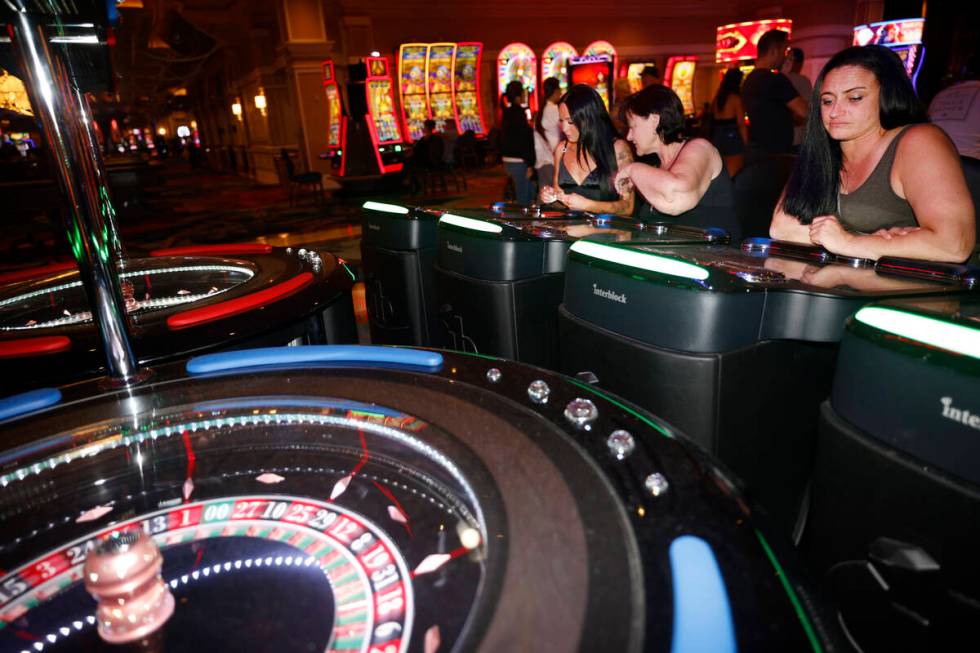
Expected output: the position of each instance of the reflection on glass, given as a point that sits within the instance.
(143, 290)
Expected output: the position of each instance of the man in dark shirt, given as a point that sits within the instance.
(770, 99)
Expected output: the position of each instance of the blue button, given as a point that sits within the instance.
(28, 402)
(702, 614)
(340, 355)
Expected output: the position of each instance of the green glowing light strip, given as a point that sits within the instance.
(791, 593)
(937, 333)
(384, 208)
(641, 260)
(470, 223)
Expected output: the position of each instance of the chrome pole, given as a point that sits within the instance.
(65, 121)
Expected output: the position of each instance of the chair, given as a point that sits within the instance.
(971, 170)
(467, 154)
(298, 181)
(757, 189)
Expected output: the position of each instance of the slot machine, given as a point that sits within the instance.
(335, 110)
(554, 62)
(466, 87)
(903, 36)
(411, 88)
(603, 47)
(439, 82)
(372, 140)
(680, 78)
(634, 72)
(517, 62)
(595, 70)
(738, 43)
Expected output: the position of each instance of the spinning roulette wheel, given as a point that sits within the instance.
(363, 498)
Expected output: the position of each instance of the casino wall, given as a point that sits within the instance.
(275, 48)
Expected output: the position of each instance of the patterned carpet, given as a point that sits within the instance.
(184, 206)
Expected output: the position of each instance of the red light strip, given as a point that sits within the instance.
(30, 273)
(204, 250)
(34, 346)
(205, 314)
(343, 146)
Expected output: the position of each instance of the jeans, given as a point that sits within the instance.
(523, 189)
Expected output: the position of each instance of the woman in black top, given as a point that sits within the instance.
(517, 143)
(691, 184)
(586, 163)
(728, 132)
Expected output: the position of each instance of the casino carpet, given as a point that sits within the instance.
(193, 206)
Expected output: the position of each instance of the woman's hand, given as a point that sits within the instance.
(548, 195)
(826, 231)
(574, 201)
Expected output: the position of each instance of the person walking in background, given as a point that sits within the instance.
(551, 93)
(517, 143)
(770, 100)
(729, 133)
(547, 133)
(649, 76)
(792, 68)
(621, 91)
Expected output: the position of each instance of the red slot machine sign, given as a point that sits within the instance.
(740, 41)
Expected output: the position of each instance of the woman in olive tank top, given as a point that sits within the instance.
(872, 179)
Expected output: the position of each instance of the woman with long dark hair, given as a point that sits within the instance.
(690, 185)
(729, 133)
(872, 179)
(587, 161)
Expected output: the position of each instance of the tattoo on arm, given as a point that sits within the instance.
(623, 156)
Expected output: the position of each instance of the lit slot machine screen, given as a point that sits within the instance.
(904, 37)
(517, 62)
(554, 62)
(383, 111)
(682, 82)
(439, 79)
(466, 78)
(411, 80)
(595, 71)
(333, 115)
(634, 73)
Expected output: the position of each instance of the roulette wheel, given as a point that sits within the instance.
(366, 498)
